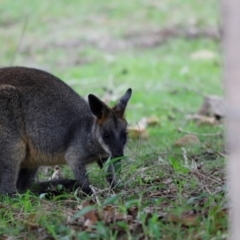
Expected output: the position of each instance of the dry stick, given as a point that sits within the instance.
(95, 195)
(19, 41)
(200, 134)
(208, 190)
(102, 191)
(212, 179)
(193, 166)
(205, 177)
(197, 173)
(185, 157)
(221, 154)
(203, 184)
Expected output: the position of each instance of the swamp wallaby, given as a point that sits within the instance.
(44, 122)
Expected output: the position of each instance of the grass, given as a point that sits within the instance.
(149, 46)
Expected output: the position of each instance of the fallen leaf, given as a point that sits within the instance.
(203, 55)
(172, 189)
(90, 215)
(186, 219)
(203, 120)
(213, 106)
(148, 121)
(110, 214)
(187, 140)
(133, 211)
(31, 221)
(152, 120)
(137, 132)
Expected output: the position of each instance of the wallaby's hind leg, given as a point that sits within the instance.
(25, 179)
(8, 177)
(12, 147)
(110, 176)
(10, 159)
(50, 186)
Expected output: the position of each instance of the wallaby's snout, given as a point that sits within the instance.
(116, 147)
(118, 153)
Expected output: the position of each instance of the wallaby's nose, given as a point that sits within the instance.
(118, 153)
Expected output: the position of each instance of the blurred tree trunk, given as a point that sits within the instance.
(231, 49)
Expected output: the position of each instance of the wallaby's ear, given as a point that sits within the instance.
(97, 107)
(120, 107)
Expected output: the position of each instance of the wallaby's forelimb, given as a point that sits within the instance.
(80, 174)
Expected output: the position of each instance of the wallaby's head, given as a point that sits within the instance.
(110, 125)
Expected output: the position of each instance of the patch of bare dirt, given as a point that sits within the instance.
(154, 38)
(132, 39)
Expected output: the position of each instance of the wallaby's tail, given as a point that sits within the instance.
(11, 107)
(51, 186)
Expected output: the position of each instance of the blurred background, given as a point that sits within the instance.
(167, 51)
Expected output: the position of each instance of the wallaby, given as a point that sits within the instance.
(45, 122)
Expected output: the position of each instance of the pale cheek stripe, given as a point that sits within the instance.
(104, 146)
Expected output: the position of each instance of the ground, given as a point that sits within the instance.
(169, 53)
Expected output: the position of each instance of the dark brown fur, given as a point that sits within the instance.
(44, 122)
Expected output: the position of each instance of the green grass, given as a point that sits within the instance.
(94, 45)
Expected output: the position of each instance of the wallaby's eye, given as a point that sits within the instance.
(124, 135)
(106, 135)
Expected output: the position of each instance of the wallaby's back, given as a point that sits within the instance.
(50, 108)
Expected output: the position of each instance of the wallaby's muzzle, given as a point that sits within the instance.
(117, 148)
(117, 153)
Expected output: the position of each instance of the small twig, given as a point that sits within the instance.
(221, 154)
(185, 157)
(95, 195)
(208, 190)
(200, 134)
(210, 178)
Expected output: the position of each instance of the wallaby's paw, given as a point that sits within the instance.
(87, 191)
